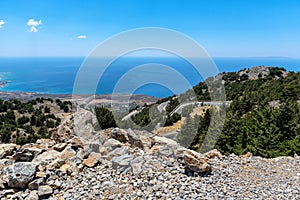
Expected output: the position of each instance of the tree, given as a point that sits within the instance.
(187, 132)
(47, 109)
(105, 118)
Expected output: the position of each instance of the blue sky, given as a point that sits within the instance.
(225, 28)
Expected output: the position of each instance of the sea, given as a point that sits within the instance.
(157, 76)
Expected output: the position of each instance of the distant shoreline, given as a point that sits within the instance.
(105, 98)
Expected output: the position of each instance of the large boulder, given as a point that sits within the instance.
(20, 174)
(196, 162)
(6, 150)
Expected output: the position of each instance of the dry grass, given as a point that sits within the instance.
(176, 126)
(199, 111)
(169, 129)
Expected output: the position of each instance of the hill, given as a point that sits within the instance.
(263, 117)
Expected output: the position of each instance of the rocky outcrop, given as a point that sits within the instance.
(20, 174)
(123, 164)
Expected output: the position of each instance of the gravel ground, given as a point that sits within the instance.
(231, 178)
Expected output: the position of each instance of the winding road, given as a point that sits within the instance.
(161, 107)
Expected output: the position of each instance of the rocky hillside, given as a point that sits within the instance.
(81, 161)
(127, 164)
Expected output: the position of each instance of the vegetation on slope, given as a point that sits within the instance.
(263, 117)
(24, 122)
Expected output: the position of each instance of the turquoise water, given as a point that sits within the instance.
(56, 75)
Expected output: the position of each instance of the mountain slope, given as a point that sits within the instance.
(263, 117)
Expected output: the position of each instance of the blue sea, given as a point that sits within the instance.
(56, 75)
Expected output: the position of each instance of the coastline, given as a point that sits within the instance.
(104, 99)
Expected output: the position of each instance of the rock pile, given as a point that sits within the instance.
(127, 164)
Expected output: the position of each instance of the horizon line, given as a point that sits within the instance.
(144, 56)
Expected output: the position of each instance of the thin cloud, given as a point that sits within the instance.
(81, 37)
(33, 25)
(1, 23)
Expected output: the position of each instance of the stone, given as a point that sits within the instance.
(45, 143)
(8, 192)
(73, 169)
(4, 163)
(46, 157)
(64, 167)
(45, 190)
(147, 142)
(103, 150)
(59, 146)
(76, 142)
(119, 135)
(91, 161)
(91, 147)
(40, 174)
(296, 155)
(108, 184)
(137, 164)
(121, 161)
(34, 185)
(55, 164)
(20, 174)
(56, 185)
(196, 162)
(179, 152)
(111, 144)
(166, 150)
(247, 155)
(67, 153)
(163, 141)
(26, 154)
(119, 151)
(154, 149)
(33, 195)
(6, 150)
(2, 182)
(134, 140)
(213, 153)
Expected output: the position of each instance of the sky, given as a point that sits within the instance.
(225, 28)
